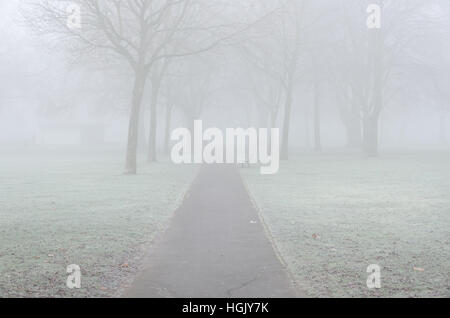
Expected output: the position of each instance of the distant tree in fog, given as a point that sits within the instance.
(373, 62)
(194, 90)
(156, 78)
(272, 54)
(265, 82)
(143, 35)
(136, 32)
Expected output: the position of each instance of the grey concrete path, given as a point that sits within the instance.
(214, 247)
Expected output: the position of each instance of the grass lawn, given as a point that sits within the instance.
(331, 216)
(60, 209)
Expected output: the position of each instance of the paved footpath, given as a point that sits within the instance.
(214, 247)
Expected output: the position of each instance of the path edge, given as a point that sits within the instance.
(268, 233)
(151, 245)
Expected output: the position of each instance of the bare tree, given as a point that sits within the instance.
(157, 77)
(140, 34)
(373, 61)
(275, 56)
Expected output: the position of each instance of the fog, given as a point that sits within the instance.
(93, 92)
(55, 87)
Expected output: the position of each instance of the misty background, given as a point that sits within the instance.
(91, 90)
(302, 64)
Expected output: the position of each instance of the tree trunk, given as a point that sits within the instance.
(142, 138)
(372, 116)
(442, 130)
(284, 154)
(351, 118)
(371, 136)
(317, 137)
(372, 122)
(272, 123)
(156, 83)
(307, 128)
(167, 129)
(133, 126)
